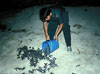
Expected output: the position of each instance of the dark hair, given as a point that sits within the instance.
(44, 12)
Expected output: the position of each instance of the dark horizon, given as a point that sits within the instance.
(18, 4)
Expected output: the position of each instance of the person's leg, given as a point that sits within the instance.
(66, 30)
(52, 26)
(67, 35)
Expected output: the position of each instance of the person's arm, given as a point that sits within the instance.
(58, 15)
(58, 31)
(46, 30)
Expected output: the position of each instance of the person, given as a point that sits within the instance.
(52, 16)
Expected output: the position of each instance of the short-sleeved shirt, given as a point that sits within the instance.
(58, 12)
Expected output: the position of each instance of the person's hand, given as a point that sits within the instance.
(47, 37)
(56, 37)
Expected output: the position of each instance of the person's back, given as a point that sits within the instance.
(57, 7)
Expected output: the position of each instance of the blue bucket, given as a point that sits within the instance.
(52, 44)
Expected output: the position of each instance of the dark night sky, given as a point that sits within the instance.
(13, 4)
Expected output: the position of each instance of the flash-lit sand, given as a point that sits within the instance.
(85, 35)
